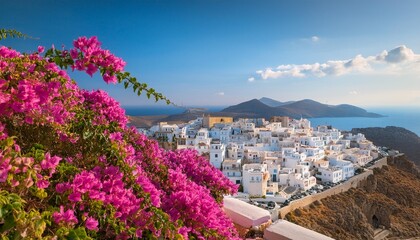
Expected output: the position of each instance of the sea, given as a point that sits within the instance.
(164, 110)
(406, 117)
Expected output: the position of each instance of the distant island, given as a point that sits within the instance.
(307, 108)
(262, 108)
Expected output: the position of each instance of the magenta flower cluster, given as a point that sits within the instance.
(89, 56)
(69, 154)
(65, 217)
(106, 108)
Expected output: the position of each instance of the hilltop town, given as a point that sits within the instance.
(275, 162)
(278, 158)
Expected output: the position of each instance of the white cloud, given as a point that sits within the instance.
(399, 54)
(221, 93)
(315, 38)
(353, 93)
(391, 59)
(251, 79)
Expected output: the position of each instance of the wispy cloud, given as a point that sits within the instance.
(251, 79)
(353, 93)
(315, 38)
(221, 93)
(395, 57)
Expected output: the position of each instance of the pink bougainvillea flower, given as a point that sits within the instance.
(40, 49)
(66, 217)
(114, 180)
(91, 224)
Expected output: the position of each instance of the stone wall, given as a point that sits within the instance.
(380, 163)
(351, 183)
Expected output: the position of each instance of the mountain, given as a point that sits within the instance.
(251, 108)
(306, 108)
(273, 103)
(261, 108)
(395, 138)
(389, 197)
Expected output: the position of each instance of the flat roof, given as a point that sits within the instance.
(283, 229)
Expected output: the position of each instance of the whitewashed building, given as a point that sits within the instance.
(217, 154)
(255, 178)
(331, 174)
(232, 169)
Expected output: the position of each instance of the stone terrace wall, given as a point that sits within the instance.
(351, 183)
(380, 163)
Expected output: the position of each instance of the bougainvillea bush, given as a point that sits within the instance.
(71, 168)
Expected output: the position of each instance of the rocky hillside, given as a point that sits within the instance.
(395, 138)
(389, 198)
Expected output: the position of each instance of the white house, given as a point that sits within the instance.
(331, 174)
(287, 178)
(346, 166)
(217, 154)
(264, 136)
(214, 132)
(359, 159)
(225, 134)
(252, 155)
(291, 160)
(202, 135)
(321, 163)
(232, 169)
(274, 170)
(337, 148)
(316, 152)
(344, 142)
(255, 178)
(312, 141)
(164, 131)
(248, 127)
(235, 151)
(366, 145)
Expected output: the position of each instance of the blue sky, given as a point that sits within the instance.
(225, 52)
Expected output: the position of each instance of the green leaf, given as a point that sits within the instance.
(87, 134)
(9, 142)
(5, 33)
(9, 223)
(78, 233)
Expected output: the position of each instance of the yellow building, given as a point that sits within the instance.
(208, 121)
(284, 120)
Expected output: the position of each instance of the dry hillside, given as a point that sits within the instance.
(390, 197)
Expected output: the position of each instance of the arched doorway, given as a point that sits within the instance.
(375, 221)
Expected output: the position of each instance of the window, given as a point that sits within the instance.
(216, 155)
